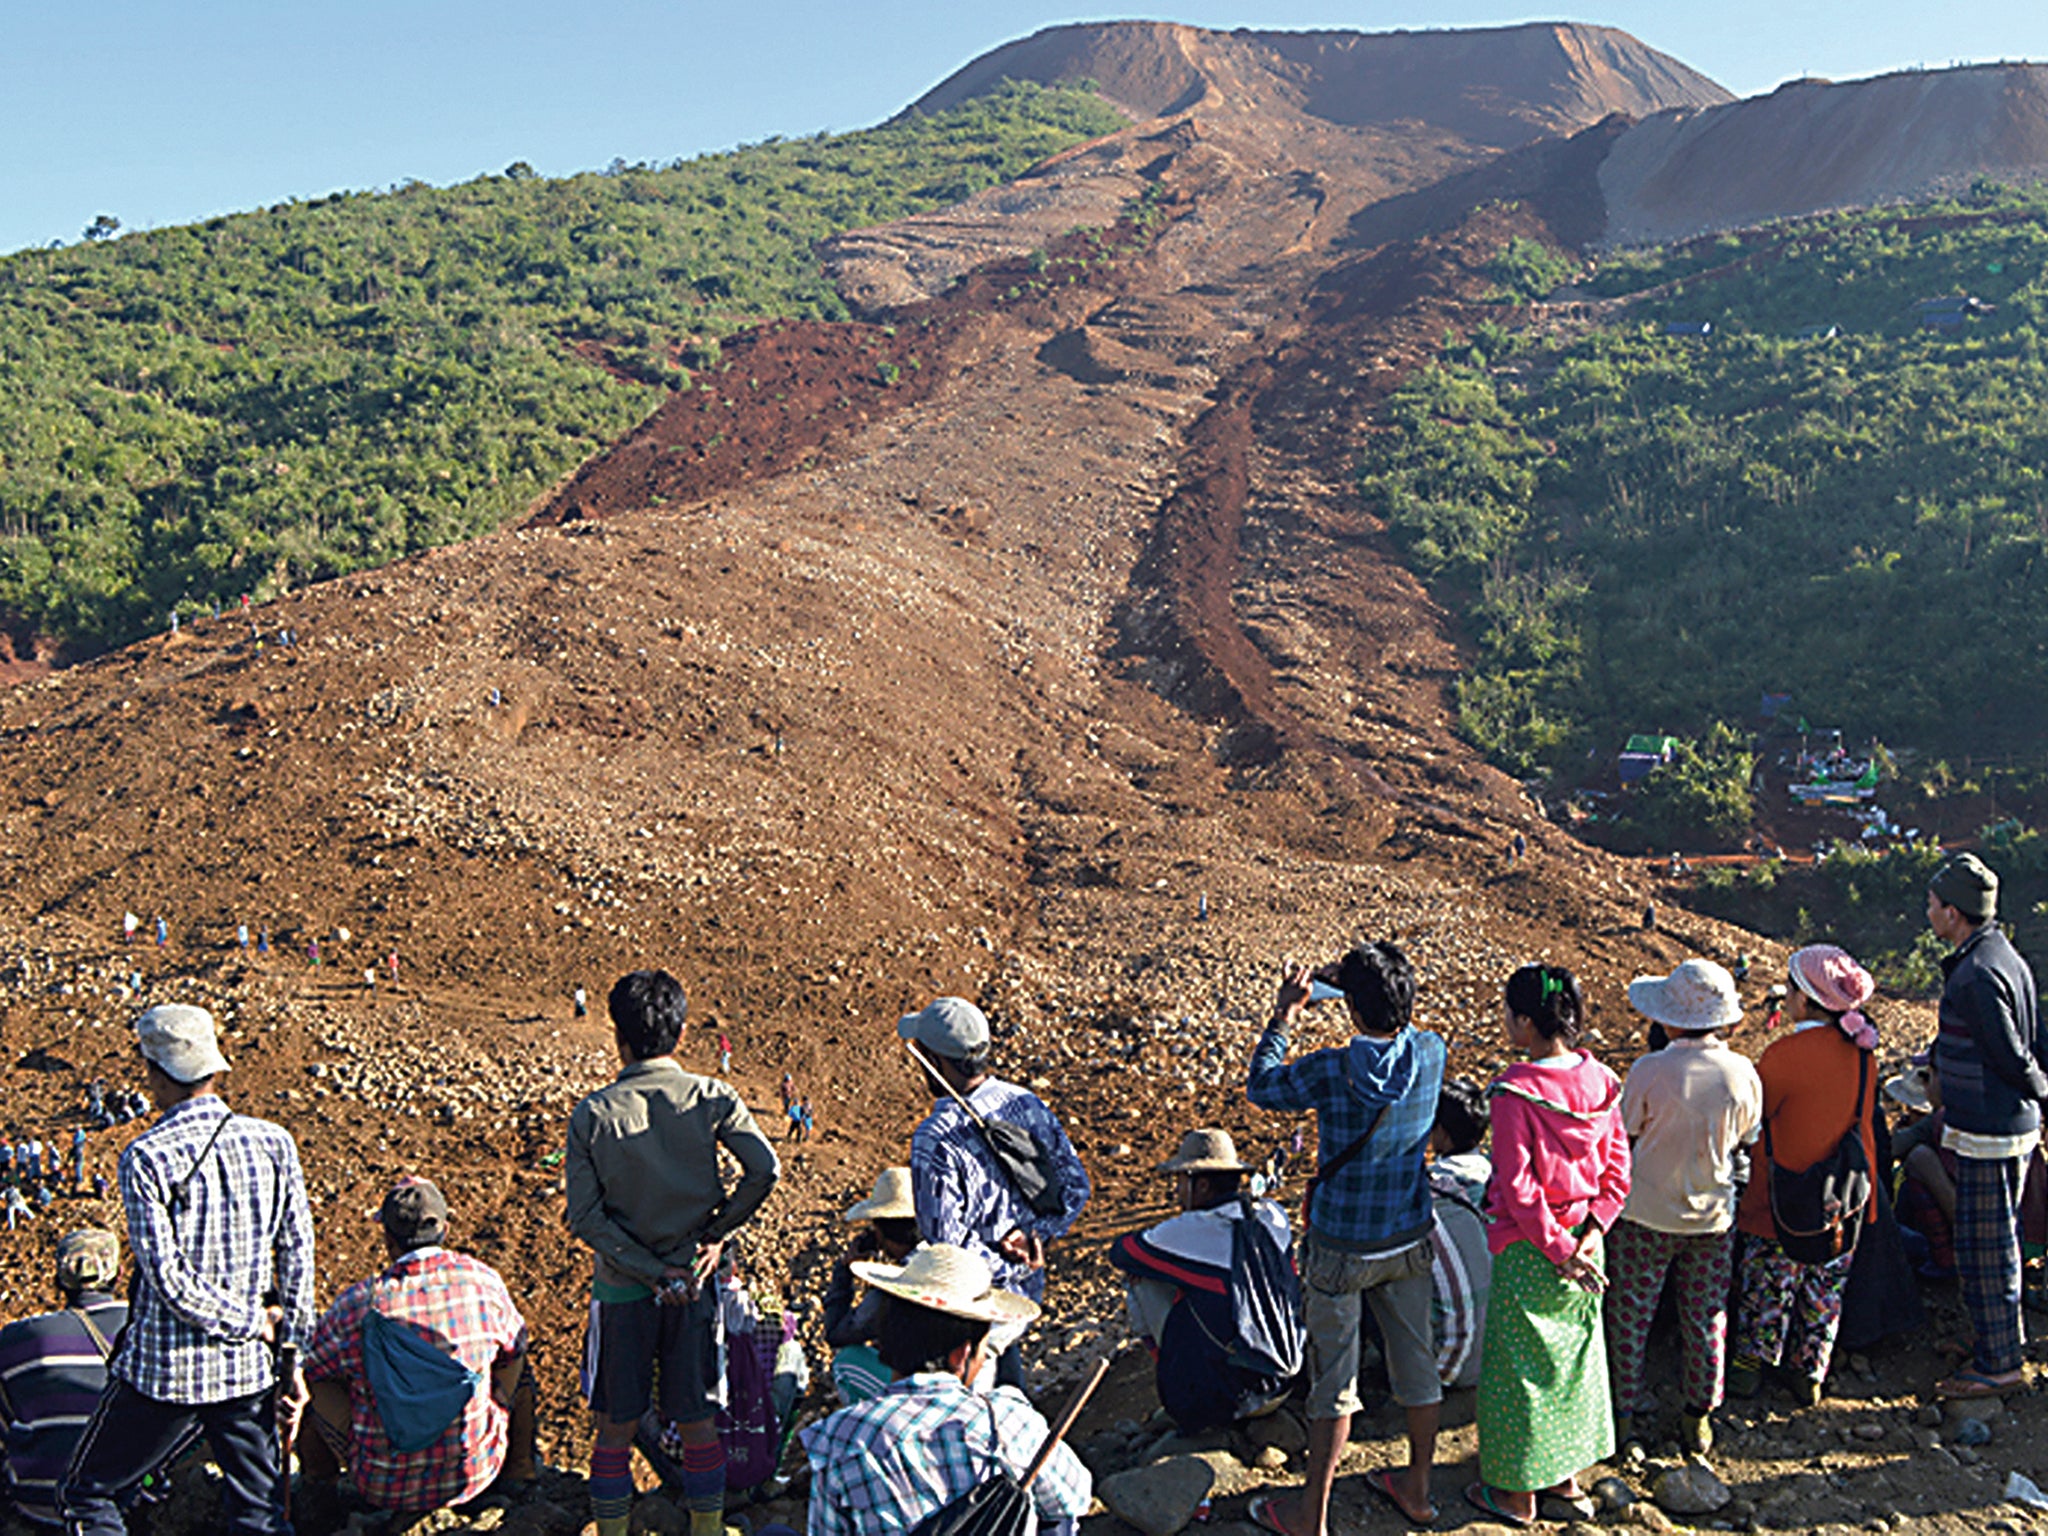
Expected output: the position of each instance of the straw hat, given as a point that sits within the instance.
(949, 1280)
(891, 1197)
(1205, 1151)
(1910, 1089)
(1698, 994)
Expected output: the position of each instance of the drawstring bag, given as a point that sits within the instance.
(1268, 1339)
(418, 1387)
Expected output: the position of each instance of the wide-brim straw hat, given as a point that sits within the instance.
(1910, 1089)
(1698, 994)
(950, 1280)
(1205, 1151)
(891, 1197)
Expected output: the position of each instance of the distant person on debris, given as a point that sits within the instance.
(1792, 1311)
(644, 1192)
(218, 1220)
(1560, 1179)
(1690, 1110)
(1369, 1218)
(53, 1368)
(963, 1196)
(421, 1387)
(1460, 1263)
(1177, 1287)
(1991, 1061)
(880, 1467)
(889, 1236)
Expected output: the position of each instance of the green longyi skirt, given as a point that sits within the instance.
(1544, 1409)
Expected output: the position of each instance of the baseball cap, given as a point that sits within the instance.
(88, 1259)
(414, 1213)
(950, 1027)
(181, 1039)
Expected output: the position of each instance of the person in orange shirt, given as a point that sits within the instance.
(1810, 1082)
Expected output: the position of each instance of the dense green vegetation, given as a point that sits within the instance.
(1650, 530)
(188, 414)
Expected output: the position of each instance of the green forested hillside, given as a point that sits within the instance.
(1649, 530)
(188, 414)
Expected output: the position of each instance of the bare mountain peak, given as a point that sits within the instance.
(1495, 86)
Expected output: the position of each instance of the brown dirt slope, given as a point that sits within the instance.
(1812, 145)
(1497, 86)
(1070, 677)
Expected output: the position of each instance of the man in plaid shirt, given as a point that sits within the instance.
(223, 1243)
(1369, 1220)
(461, 1306)
(881, 1466)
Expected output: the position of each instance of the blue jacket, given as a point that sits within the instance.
(1991, 1054)
(1379, 1200)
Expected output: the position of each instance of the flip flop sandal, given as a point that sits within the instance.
(1967, 1384)
(1382, 1483)
(1481, 1498)
(1261, 1514)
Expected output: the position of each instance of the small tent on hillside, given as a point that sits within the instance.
(1644, 755)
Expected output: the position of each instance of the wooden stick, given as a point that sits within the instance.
(1066, 1419)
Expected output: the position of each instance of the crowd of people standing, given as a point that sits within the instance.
(1532, 1268)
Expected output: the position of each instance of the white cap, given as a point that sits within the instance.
(182, 1041)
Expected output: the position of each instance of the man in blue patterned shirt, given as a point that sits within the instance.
(962, 1197)
(881, 1466)
(1369, 1220)
(223, 1245)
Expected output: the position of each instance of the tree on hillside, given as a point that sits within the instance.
(1700, 798)
(105, 227)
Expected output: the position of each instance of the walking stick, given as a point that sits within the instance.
(1066, 1419)
(285, 1407)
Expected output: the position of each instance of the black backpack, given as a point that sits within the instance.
(1000, 1504)
(1819, 1213)
(1267, 1336)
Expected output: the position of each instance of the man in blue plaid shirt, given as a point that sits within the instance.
(881, 1466)
(223, 1243)
(1367, 1235)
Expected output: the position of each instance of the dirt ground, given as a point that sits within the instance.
(1062, 672)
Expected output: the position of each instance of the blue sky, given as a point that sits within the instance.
(164, 111)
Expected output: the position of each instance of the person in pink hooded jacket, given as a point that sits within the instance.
(1560, 1179)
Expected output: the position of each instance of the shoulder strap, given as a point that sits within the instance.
(1324, 1170)
(99, 1340)
(177, 1200)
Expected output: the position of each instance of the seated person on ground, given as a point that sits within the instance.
(53, 1367)
(1461, 1266)
(1925, 1198)
(880, 1467)
(420, 1385)
(891, 1236)
(1177, 1287)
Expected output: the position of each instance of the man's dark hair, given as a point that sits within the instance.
(1379, 984)
(913, 1338)
(648, 1008)
(1548, 997)
(901, 1230)
(1215, 1186)
(1461, 1113)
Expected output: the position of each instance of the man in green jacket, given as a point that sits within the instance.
(644, 1193)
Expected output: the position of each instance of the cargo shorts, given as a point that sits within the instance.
(1336, 1286)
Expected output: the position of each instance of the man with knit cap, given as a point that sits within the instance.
(223, 1244)
(1991, 1061)
(53, 1368)
(644, 1192)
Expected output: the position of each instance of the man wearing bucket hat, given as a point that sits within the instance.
(890, 1234)
(1176, 1285)
(223, 1244)
(886, 1464)
(964, 1196)
(1991, 1061)
(53, 1368)
(418, 1434)
(1689, 1110)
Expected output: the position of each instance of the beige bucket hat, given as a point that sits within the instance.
(891, 1197)
(950, 1280)
(1909, 1089)
(1205, 1151)
(1698, 994)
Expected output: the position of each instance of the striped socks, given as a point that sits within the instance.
(704, 1488)
(611, 1487)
